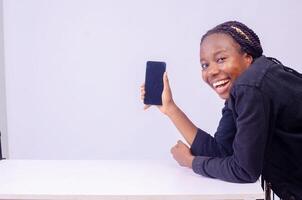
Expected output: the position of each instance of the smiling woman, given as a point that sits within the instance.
(225, 52)
(260, 131)
(222, 61)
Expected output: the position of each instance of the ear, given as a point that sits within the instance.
(248, 59)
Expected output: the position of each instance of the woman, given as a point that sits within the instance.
(260, 132)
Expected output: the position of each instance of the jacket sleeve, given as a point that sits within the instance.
(221, 144)
(245, 164)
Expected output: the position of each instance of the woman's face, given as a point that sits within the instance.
(222, 62)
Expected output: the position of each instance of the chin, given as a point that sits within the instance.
(224, 96)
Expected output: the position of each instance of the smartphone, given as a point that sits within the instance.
(154, 84)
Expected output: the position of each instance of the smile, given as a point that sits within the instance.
(221, 83)
(222, 86)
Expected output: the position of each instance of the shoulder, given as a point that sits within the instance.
(249, 85)
(256, 72)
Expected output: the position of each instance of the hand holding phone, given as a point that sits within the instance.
(154, 82)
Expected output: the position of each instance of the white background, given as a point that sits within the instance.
(73, 70)
(3, 124)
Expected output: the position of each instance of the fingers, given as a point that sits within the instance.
(176, 155)
(143, 95)
(143, 92)
(178, 145)
(179, 142)
(166, 81)
(173, 149)
(146, 107)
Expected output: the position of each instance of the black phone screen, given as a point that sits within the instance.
(154, 82)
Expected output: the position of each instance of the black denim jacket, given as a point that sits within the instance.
(260, 132)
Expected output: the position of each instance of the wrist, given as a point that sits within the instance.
(191, 158)
(172, 109)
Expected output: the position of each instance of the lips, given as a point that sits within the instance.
(220, 83)
(221, 86)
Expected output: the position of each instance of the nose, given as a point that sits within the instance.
(213, 70)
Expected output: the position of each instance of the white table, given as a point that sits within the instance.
(114, 180)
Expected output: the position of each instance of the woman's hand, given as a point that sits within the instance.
(176, 115)
(182, 154)
(168, 104)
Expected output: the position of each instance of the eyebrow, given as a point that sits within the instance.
(215, 54)
(219, 51)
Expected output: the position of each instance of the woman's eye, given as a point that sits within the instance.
(220, 60)
(204, 66)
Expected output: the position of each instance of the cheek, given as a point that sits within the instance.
(236, 68)
(233, 70)
(204, 76)
(235, 73)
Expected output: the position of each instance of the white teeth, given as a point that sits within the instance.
(219, 83)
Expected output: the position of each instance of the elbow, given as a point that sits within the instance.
(251, 177)
(245, 175)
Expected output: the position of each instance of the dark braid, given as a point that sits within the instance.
(243, 35)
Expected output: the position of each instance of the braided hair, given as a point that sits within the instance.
(243, 35)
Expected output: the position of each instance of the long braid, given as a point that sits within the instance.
(243, 35)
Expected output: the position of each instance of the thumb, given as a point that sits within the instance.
(179, 142)
(146, 107)
(166, 81)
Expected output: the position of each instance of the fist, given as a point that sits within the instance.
(182, 154)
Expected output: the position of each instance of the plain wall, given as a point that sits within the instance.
(74, 68)
(3, 122)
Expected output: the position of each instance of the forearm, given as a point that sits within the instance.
(245, 164)
(184, 125)
(227, 169)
